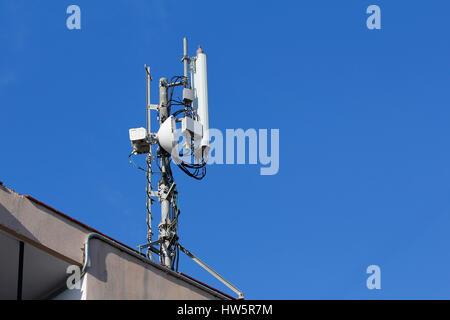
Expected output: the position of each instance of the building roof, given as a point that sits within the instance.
(68, 254)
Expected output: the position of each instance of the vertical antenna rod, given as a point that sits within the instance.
(147, 69)
(149, 162)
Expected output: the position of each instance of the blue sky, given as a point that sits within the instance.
(363, 118)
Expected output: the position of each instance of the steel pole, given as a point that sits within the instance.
(163, 185)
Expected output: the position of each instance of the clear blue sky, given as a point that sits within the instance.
(364, 128)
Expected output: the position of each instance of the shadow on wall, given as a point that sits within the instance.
(18, 229)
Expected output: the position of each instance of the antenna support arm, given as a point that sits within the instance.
(211, 271)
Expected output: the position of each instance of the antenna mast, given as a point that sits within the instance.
(149, 161)
(193, 115)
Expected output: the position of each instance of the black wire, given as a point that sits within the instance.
(195, 165)
(172, 89)
(199, 175)
(139, 167)
(133, 163)
(174, 102)
(178, 112)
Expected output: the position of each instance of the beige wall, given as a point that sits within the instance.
(112, 273)
(41, 227)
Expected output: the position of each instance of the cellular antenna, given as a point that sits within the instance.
(162, 148)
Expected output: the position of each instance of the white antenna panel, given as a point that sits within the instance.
(200, 86)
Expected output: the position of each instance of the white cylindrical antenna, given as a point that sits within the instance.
(200, 86)
(185, 62)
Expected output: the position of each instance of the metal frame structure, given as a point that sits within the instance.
(167, 246)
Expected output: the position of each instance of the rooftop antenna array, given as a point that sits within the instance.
(162, 148)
